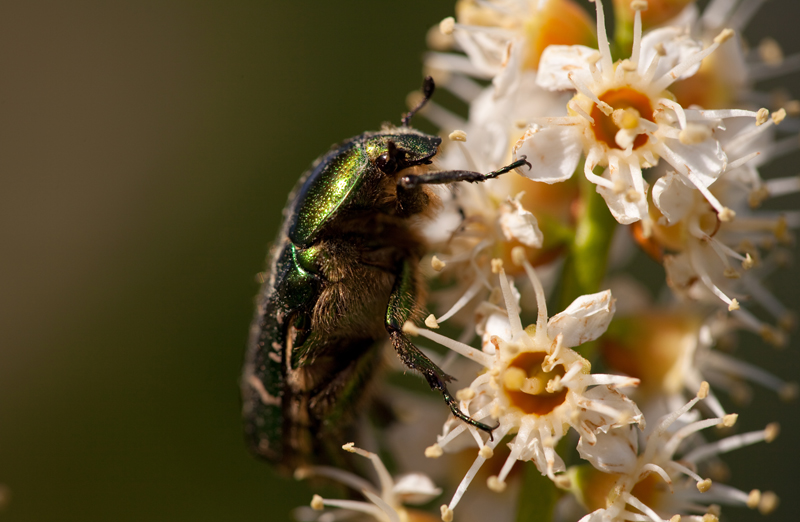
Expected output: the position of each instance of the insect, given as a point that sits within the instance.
(343, 275)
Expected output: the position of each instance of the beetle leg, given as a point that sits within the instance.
(399, 310)
(450, 176)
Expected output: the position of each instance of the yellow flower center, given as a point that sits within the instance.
(629, 105)
(525, 384)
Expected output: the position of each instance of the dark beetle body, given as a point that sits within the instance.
(346, 243)
(344, 273)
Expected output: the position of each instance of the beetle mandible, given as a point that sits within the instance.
(343, 273)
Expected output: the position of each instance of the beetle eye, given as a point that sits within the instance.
(386, 163)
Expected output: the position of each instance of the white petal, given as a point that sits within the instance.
(517, 223)
(558, 61)
(415, 488)
(595, 516)
(584, 320)
(612, 398)
(623, 210)
(672, 197)
(626, 203)
(509, 77)
(613, 452)
(485, 51)
(678, 46)
(553, 153)
(680, 273)
(706, 160)
(497, 324)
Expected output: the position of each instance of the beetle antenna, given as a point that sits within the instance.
(427, 91)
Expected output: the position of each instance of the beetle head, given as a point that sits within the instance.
(394, 150)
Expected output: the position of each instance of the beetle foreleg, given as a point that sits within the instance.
(399, 310)
(451, 176)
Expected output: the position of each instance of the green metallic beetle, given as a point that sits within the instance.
(343, 273)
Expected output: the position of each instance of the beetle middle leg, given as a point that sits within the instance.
(451, 176)
(399, 310)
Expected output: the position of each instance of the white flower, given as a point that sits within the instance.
(623, 118)
(386, 502)
(656, 473)
(536, 386)
(713, 258)
(673, 349)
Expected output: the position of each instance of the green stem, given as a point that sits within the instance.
(585, 266)
(537, 498)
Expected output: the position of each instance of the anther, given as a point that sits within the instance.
(495, 484)
(437, 264)
(761, 116)
(778, 116)
(448, 25)
(317, 504)
(769, 501)
(433, 452)
(702, 393)
(726, 215)
(458, 135)
(518, 255)
(723, 36)
(770, 52)
(431, 322)
(497, 265)
(410, 328)
(753, 499)
(772, 431)
(486, 452)
(704, 485)
(788, 392)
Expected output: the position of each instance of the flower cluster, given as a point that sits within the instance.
(644, 145)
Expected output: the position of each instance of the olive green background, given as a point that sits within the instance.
(146, 151)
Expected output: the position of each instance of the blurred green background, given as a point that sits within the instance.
(146, 151)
